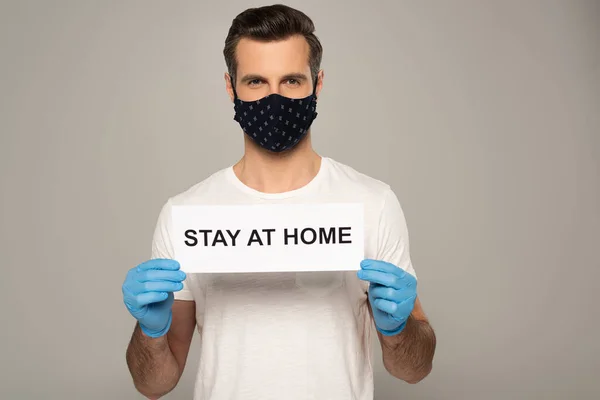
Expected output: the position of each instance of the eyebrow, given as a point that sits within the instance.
(296, 75)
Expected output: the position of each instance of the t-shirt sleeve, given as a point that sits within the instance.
(392, 242)
(162, 247)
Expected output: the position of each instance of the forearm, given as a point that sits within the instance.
(409, 355)
(152, 365)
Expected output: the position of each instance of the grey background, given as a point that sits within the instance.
(483, 116)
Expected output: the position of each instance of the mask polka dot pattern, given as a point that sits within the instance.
(275, 122)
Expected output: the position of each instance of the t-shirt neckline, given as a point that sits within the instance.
(283, 195)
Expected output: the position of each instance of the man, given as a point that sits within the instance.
(279, 335)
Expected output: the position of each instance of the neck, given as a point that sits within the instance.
(277, 172)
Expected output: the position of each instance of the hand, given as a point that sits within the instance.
(392, 294)
(148, 294)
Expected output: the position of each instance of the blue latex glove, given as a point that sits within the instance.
(148, 294)
(392, 294)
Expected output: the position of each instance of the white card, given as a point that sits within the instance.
(269, 238)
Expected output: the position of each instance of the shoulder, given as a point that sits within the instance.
(206, 191)
(347, 178)
(382, 204)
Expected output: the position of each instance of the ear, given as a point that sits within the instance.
(320, 77)
(228, 87)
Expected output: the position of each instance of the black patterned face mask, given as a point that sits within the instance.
(276, 122)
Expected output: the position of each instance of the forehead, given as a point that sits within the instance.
(272, 58)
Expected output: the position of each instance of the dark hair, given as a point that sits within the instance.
(271, 23)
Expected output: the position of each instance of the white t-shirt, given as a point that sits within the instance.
(289, 335)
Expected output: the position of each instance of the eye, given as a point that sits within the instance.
(293, 82)
(254, 82)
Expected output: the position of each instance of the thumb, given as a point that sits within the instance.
(167, 302)
(147, 298)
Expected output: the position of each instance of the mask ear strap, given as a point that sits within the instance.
(315, 86)
(233, 87)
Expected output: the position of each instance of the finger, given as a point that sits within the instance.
(386, 306)
(161, 275)
(159, 263)
(146, 298)
(158, 286)
(382, 266)
(405, 307)
(386, 293)
(381, 278)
